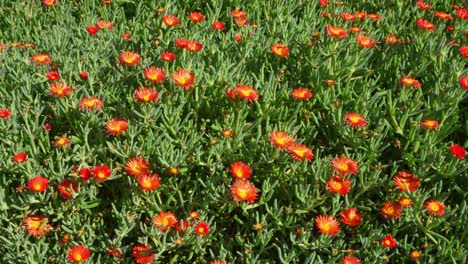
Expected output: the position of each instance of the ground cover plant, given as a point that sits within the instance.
(231, 131)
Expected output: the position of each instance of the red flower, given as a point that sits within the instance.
(5, 113)
(238, 14)
(116, 126)
(415, 255)
(20, 157)
(430, 124)
(143, 254)
(78, 253)
(280, 50)
(463, 81)
(327, 225)
(65, 188)
(405, 202)
(62, 142)
(388, 242)
(104, 24)
(351, 217)
(351, 260)
(281, 140)
(38, 184)
(183, 78)
(84, 75)
(202, 228)
(355, 120)
(49, 3)
(302, 94)
(92, 30)
(126, 36)
(145, 95)
(425, 24)
(85, 174)
(218, 25)
(410, 82)
(41, 59)
(101, 172)
(52, 75)
(196, 17)
(458, 151)
(443, 15)
(129, 58)
(338, 185)
(422, 5)
(193, 46)
(240, 170)
(347, 16)
(244, 190)
(91, 103)
(336, 32)
(365, 41)
(301, 152)
(36, 226)
(360, 15)
(324, 3)
(344, 165)
(149, 182)
(464, 51)
(391, 210)
(462, 13)
(181, 43)
(165, 220)
(374, 17)
(168, 56)
(137, 167)
(154, 74)
(60, 89)
(406, 182)
(355, 30)
(246, 92)
(392, 39)
(170, 20)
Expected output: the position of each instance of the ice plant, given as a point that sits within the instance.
(392, 39)
(145, 95)
(116, 126)
(388, 241)
(20, 157)
(246, 92)
(280, 50)
(170, 20)
(458, 151)
(351, 217)
(407, 182)
(104, 24)
(301, 152)
(194, 215)
(143, 254)
(339, 185)
(442, 15)
(137, 166)
(66, 187)
(415, 255)
(168, 56)
(83, 75)
(302, 94)
(165, 221)
(5, 113)
(240, 170)
(202, 228)
(435, 207)
(91, 104)
(327, 225)
(391, 210)
(425, 24)
(149, 182)
(52, 75)
(336, 32)
(351, 260)
(244, 190)
(85, 174)
(344, 165)
(218, 25)
(36, 225)
(196, 17)
(78, 253)
(101, 172)
(422, 5)
(183, 78)
(281, 140)
(60, 89)
(365, 41)
(464, 51)
(129, 58)
(193, 46)
(430, 124)
(49, 3)
(41, 59)
(92, 30)
(463, 80)
(405, 202)
(355, 120)
(410, 82)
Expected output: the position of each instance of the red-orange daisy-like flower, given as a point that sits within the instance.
(405, 202)
(66, 187)
(406, 182)
(463, 80)
(240, 170)
(344, 165)
(196, 17)
(355, 120)
(422, 5)
(202, 229)
(217, 261)
(425, 24)
(168, 56)
(391, 210)
(360, 15)
(60, 89)
(244, 190)
(91, 103)
(462, 13)
(92, 30)
(430, 124)
(410, 82)
(464, 51)
(347, 16)
(149, 182)
(20, 157)
(116, 126)
(41, 59)
(236, 13)
(301, 152)
(415, 255)
(458, 151)
(85, 174)
(154, 74)
(355, 30)
(365, 41)
(280, 50)
(126, 36)
(392, 39)
(281, 140)
(181, 43)
(170, 20)
(338, 185)
(5, 113)
(301, 93)
(435, 207)
(336, 32)
(62, 142)
(52, 75)
(218, 25)
(129, 58)
(83, 75)
(78, 253)
(104, 24)
(36, 226)
(373, 17)
(193, 46)
(165, 220)
(388, 241)
(351, 260)
(246, 92)
(184, 79)
(101, 172)
(443, 15)
(351, 217)
(327, 225)
(137, 167)
(194, 215)
(144, 94)
(143, 254)
(49, 3)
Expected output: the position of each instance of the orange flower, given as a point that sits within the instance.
(443, 15)
(406, 182)
(301, 152)
(145, 95)
(430, 124)
(330, 82)
(137, 166)
(244, 190)
(425, 24)
(388, 241)
(218, 25)
(344, 166)
(374, 17)
(103, 24)
(20, 157)
(336, 32)
(391, 210)
(347, 16)
(181, 43)
(193, 46)
(338, 185)
(66, 187)
(78, 253)
(327, 225)
(62, 142)
(60, 89)
(355, 30)
(116, 126)
(405, 202)
(240, 170)
(435, 207)
(194, 215)
(52, 75)
(149, 182)
(365, 41)
(355, 120)
(281, 140)
(173, 171)
(246, 92)
(303, 94)
(410, 82)
(143, 254)
(415, 255)
(36, 226)
(422, 5)
(165, 220)
(101, 172)
(217, 261)
(129, 58)
(168, 56)
(49, 3)
(183, 78)
(238, 14)
(41, 59)
(392, 39)
(202, 228)
(351, 260)
(360, 15)
(351, 217)
(91, 103)
(170, 20)
(280, 50)
(196, 17)
(154, 74)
